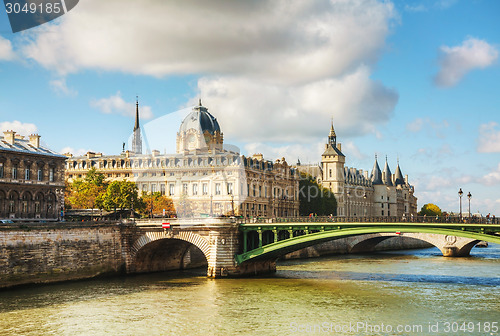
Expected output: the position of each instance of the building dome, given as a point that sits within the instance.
(200, 120)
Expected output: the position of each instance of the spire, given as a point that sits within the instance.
(376, 176)
(137, 138)
(332, 138)
(136, 126)
(398, 178)
(387, 175)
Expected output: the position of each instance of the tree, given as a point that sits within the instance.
(155, 203)
(430, 209)
(184, 207)
(122, 195)
(88, 193)
(314, 198)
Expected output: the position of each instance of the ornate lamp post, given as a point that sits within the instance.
(460, 194)
(469, 195)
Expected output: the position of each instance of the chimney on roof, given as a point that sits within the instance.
(9, 136)
(35, 140)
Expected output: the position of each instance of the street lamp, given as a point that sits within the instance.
(460, 194)
(469, 195)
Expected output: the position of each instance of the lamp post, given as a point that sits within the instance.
(469, 195)
(232, 204)
(460, 194)
(211, 207)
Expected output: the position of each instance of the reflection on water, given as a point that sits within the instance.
(394, 288)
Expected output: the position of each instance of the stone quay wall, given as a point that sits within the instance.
(36, 253)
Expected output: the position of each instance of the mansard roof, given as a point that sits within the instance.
(332, 150)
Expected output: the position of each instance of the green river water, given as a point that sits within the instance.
(391, 293)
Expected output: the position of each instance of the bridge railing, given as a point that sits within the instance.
(391, 219)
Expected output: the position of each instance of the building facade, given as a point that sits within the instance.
(358, 192)
(31, 179)
(202, 177)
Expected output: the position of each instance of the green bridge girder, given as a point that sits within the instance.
(272, 240)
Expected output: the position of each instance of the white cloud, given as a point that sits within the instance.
(291, 152)
(430, 126)
(6, 51)
(59, 86)
(457, 61)
(415, 8)
(116, 105)
(75, 152)
(489, 138)
(492, 177)
(19, 127)
(289, 41)
(252, 110)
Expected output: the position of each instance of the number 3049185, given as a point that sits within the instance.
(41, 8)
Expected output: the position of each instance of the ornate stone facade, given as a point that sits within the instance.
(31, 179)
(202, 177)
(359, 194)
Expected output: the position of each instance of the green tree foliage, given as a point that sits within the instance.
(314, 198)
(87, 193)
(430, 209)
(122, 195)
(155, 203)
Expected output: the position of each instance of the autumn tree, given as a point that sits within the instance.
(430, 209)
(154, 203)
(87, 193)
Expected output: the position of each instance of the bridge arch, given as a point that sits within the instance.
(162, 251)
(448, 245)
(451, 242)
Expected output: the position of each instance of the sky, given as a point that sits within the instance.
(414, 81)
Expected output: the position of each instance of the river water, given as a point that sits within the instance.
(415, 292)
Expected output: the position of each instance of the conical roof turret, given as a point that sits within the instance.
(398, 178)
(376, 176)
(387, 175)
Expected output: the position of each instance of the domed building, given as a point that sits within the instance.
(202, 177)
(199, 131)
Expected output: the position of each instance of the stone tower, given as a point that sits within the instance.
(332, 164)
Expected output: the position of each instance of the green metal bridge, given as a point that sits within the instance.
(268, 239)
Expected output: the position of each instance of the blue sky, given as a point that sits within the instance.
(416, 80)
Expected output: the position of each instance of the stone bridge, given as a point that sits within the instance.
(233, 247)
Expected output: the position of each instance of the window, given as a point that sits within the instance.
(40, 175)
(1, 170)
(217, 188)
(171, 189)
(51, 174)
(162, 189)
(27, 174)
(144, 188)
(382, 204)
(230, 188)
(153, 188)
(14, 173)
(248, 189)
(382, 212)
(330, 173)
(388, 198)
(185, 188)
(205, 188)
(195, 189)
(260, 191)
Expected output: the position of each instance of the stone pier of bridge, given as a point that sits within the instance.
(150, 247)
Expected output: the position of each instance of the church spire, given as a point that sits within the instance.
(137, 138)
(136, 126)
